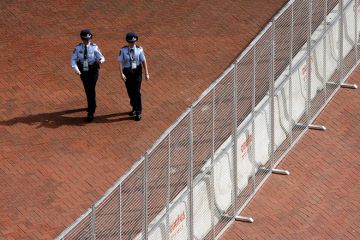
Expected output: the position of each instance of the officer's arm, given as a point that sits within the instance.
(99, 57)
(73, 61)
(120, 60)
(144, 64)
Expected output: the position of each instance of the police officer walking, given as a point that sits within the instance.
(131, 61)
(85, 61)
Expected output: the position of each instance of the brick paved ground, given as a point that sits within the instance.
(321, 197)
(52, 165)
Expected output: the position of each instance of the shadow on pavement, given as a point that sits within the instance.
(57, 119)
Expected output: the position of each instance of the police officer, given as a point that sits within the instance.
(131, 61)
(85, 61)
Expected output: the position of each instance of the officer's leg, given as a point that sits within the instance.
(94, 74)
(128, 87)
(85, 80)
(137, 94)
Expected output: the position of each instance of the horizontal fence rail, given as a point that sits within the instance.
(201, 173)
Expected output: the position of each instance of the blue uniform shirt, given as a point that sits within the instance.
(126, 56)
(93, 54)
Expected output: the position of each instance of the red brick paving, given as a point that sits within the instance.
(320, 199)
(52, 166)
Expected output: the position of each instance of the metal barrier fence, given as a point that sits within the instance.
(205, 168)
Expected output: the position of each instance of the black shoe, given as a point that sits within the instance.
(132, 113)
(137, 117)
(89, 118)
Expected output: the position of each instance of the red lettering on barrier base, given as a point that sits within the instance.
(246, 145)
(177, 222)
(356, 6)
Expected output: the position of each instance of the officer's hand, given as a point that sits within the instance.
(123, 77)
(97, 61)
(147, 76)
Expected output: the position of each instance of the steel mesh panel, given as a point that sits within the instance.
(349, 37)
(282, 43)
(108, 217)
(283, 123)
(264, 163)
(331, 4)
(179, 157)
(263, 69)
(81, 230)
(224, 210)
(158, 179)
(246, 164)
(301, 23)
(318, 14)
(224, 109)
(318, 75)
(203, 206)
(202, 131)
(245, 86)
(332, 62)
(132, 204)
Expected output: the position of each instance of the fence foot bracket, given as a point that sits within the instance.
(280, 171)
(317, 127)
(244, 219)
(348, 85)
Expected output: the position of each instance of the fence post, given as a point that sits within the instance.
(145, 235)
(212, 161)
(190, 180)
(341, 42)
(324, 55)
(168, 189)
(272, 96)
(308, 100)
(290, 73)
(234, 135)
(120, 214)
(253, 104)
(356, 4)
(93, 222)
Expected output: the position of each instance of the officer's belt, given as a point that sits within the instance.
(92, 66)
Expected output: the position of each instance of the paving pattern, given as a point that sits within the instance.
(53, 166)
(320, 199)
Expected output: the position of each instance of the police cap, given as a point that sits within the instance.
(131, 37)
(86, 34)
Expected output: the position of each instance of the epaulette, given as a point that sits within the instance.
(79, 44)
(92, 44)
(125, 46)
(137, 46)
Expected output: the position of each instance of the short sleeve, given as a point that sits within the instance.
(142, 56)
(121, 55)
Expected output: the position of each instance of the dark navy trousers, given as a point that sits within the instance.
(133, 87)
(89, 79)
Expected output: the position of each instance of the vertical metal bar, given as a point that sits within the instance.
(190, 180)
(341, 40)
(93, 222)
(145, 236)
(272, 96)
(253, 104)
(234, 136)
(213, 160)
(120, 212)
(168, 189)
(290, 73)
(324, 55)
(309, 66)
(356, 29)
